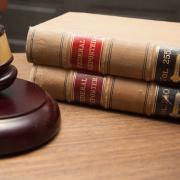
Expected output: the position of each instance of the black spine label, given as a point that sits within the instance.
(168, 65)
(168, 102)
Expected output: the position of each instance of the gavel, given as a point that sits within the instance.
(8, 72)
(29, 117)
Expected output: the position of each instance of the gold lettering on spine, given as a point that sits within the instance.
(167, 56)
(5, 52)
(80, 54)
(166, 60)
(91, 54)
(83, 90)
(165, 101)
(93, 90)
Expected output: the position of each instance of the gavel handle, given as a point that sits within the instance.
(3, 5)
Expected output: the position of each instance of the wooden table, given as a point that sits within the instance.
(94, 144)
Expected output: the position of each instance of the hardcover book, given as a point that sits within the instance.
(108, 92)
(125, 47)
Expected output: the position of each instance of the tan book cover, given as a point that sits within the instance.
(126, 47)
(108, 92)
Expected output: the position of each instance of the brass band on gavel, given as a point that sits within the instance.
(5, 52)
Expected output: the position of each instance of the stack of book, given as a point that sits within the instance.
(117, 63)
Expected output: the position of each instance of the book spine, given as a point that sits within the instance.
(144, 61)
(5, 52)
(108, 92)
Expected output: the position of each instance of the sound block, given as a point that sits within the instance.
(7, 77)
(29, 117)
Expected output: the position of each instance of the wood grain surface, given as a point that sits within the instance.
(94, 144)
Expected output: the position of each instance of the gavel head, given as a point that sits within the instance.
(6, 56)
(8, 72)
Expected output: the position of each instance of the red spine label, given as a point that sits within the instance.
(86, 53)
(88, 89)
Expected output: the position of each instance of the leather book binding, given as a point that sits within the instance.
(131, 48)
(108, 92)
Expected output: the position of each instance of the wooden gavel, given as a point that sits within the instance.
(29, 117)
(8, 72)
